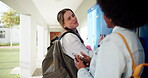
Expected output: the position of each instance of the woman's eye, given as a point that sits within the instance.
(68, 18)
(73, 15)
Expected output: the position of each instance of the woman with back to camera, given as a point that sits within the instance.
(112, 59)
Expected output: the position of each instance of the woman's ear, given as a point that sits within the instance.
(64, 26)
(108, 22)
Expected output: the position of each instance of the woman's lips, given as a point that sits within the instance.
(75, 22)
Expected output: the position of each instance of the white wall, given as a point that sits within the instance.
(7, 35)
(81, 14)
(15, 35)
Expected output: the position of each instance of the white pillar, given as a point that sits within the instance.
(40, 41)
(27, 46)
(42, 44)
(47, 39)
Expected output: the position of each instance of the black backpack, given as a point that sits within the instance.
(57, 64)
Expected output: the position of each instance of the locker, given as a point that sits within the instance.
(96, 26)
(143, 34)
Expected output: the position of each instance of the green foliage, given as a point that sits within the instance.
(8, 44)
(10, 18)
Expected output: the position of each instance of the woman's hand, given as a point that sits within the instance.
(86, 58)
(78, 62)
(101, 38)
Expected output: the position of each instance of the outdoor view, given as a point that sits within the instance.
(9, 42)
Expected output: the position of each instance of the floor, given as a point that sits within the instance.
(38, 71)
(36, 77)
(36, 74)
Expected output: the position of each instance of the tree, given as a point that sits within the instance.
(10, 19)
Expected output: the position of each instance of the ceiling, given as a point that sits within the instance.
(43, 11)
(49, 8)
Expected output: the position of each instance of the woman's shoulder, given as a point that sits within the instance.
(127, 34)
(70, 35)
(112, 36)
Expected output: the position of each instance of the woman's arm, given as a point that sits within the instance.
(73, 45)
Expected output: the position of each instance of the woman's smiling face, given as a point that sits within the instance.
(70, 20)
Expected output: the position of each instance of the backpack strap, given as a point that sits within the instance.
(138, 69)
(127, 46)
(73, 33)
(51, 42)
(59, 38)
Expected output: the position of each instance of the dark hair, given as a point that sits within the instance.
(125, 13)
(60, 16)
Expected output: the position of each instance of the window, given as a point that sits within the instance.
(2, 34)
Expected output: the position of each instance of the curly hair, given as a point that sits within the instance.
(129, 14)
